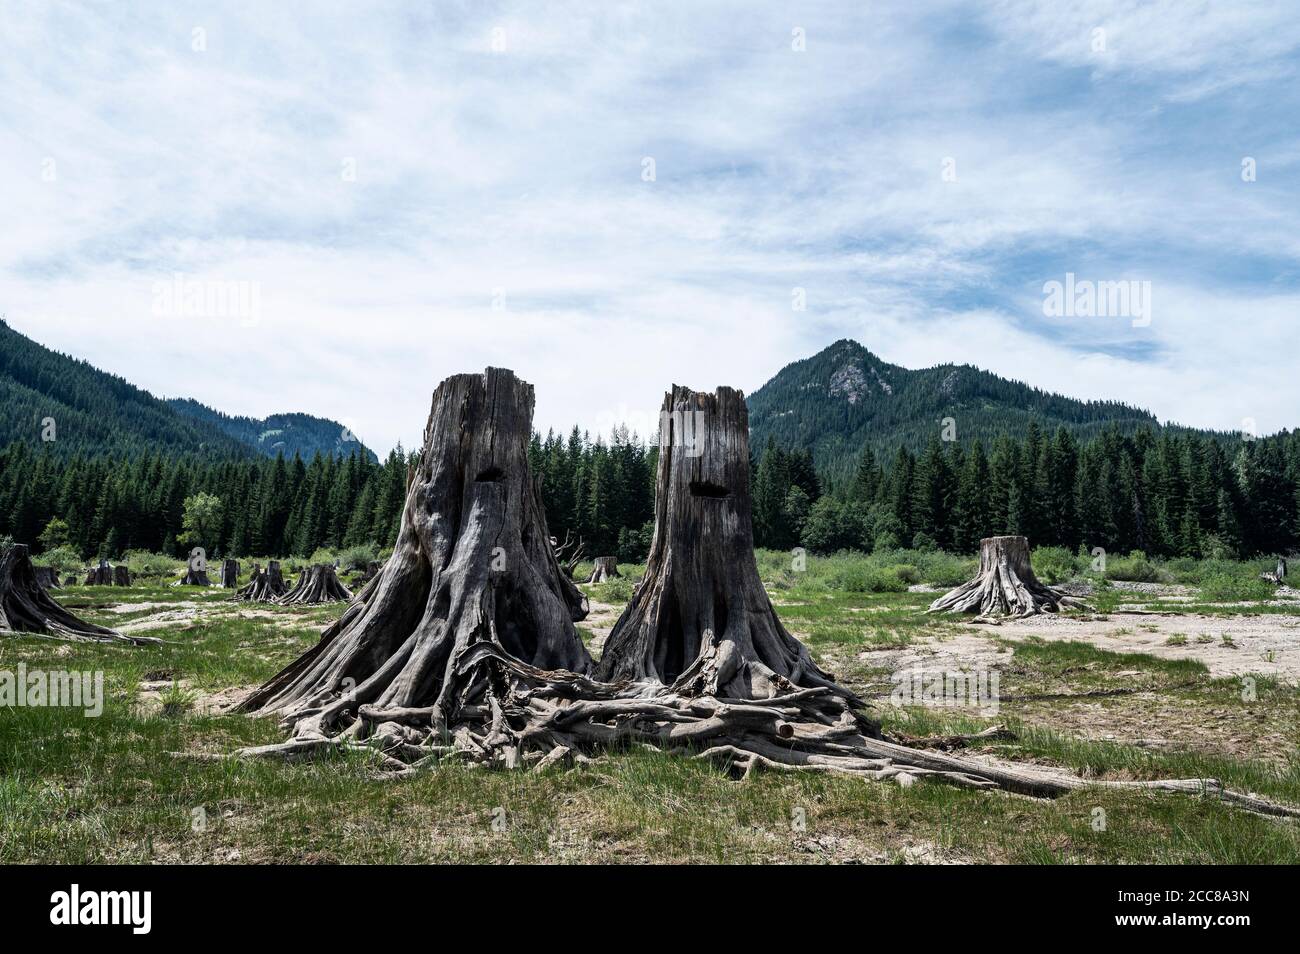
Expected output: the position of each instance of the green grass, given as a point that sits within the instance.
(74, 789)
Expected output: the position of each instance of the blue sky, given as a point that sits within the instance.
(499, 211)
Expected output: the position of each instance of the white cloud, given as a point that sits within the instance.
(519, 172)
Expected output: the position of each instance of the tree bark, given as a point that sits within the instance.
(1004, 587)
(121, 575)
(47, 577)
(318, 583)
(701, 621)
(472, 565)
(25, 607)
(606, 569)
(229, 574)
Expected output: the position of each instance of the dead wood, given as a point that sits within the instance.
(25, 606)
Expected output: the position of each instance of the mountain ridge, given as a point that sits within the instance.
(845, 398)
(48, 397)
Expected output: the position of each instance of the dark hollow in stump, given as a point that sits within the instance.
(25, 607)
(606, 569)
(319, 583)
(1004, 587)
(121, 575)
(229, 574)
(47, 577)
(473, 565)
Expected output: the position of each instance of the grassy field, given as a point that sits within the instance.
(76, 789)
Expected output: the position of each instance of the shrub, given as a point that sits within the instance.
(859, 578)
(149, 565)
(1053, 564)
(1236, 588)
(908, 573)
(64, 559)
(357, 558)
(1134, 568)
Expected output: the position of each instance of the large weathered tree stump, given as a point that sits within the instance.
(701, 621)
(1004, 587)
(229, 574)
(473, 566)
(25, 606)
(606, 568)
(318, 583)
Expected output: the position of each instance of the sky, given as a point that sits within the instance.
(330, 208)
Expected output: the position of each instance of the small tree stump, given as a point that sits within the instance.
(1004, 587)
(230, 574)
(319, 583)
(121, 575)
(101, 575)
(606, 569)
(25, 607)
(258, 589)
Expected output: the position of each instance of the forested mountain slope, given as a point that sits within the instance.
(50, 398)
(844, 398)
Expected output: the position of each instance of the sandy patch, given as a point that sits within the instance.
(1265, 644)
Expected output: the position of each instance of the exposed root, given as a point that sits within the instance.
(520, 716)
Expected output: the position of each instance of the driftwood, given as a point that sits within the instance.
(25, 606)
(463, 648)
(318, 583)
(606, 568)
(229, 574)
(569, 553)
(1004, 587)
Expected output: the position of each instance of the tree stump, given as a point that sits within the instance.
(47, 577)
(25, 607)
(473, 566)
(319, 583)
(100, 575)
(259, 589)
(1004, 587)
(121, 575)
(606, 569)
(194, 577)
(229, 574)
(701, 621)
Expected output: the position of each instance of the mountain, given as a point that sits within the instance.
(49, 397)
(280, 433)
(845, 398)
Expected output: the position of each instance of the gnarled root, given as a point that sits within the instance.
(511, 715)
